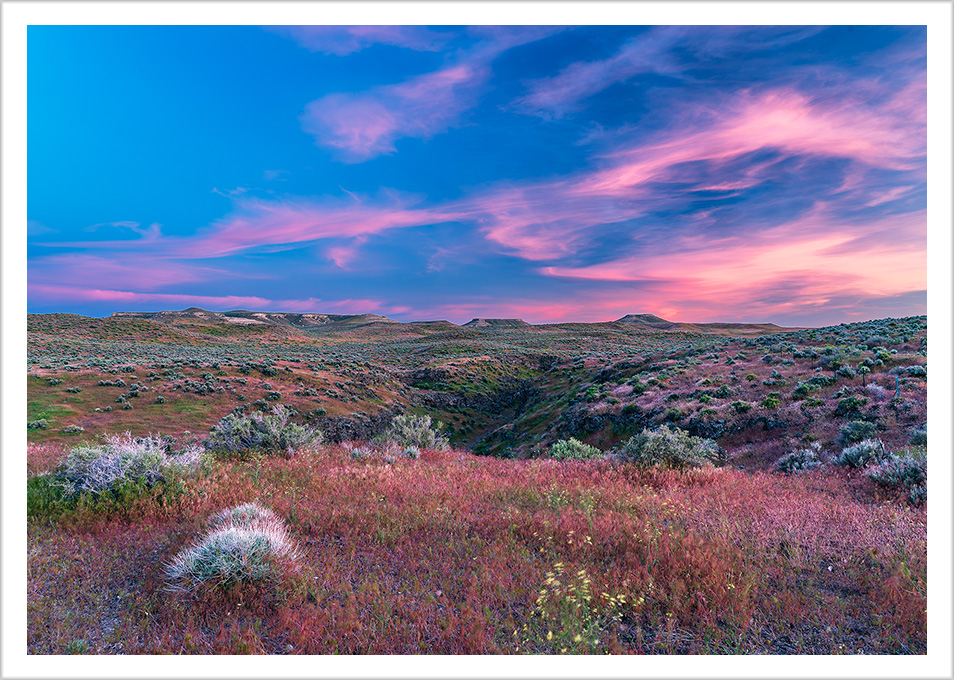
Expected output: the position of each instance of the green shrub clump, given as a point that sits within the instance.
(416, 431)
(862, 454)
(573, 449)
(240, 436)
(801, 460)
(856, 431)
(668, 448)
(40, 424)
(247, 543)
(850, 405)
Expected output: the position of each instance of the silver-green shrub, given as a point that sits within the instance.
(246, 515)
(801, 460)
(862, 454)
(906, 471)
(123, 459)
(238, 435)
(417, 431)
(668, 448)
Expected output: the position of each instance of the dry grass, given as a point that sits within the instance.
(450, 554)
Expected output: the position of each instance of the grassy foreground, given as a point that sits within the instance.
(454, 553)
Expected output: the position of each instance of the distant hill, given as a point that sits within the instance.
(644, 319)
(248, 318)
(498, 323)
(717, 328)
(381, 324)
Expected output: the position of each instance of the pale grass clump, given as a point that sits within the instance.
(245, 544)
(245, 515)
(123, 459)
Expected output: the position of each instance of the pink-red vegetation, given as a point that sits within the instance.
(449, 554)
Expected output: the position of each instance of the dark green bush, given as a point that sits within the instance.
(918, 436)
(850, 405)
(741, 406)
(855, 431)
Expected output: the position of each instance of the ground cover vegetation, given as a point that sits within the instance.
(373, 487)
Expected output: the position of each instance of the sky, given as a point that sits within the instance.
(578, 173)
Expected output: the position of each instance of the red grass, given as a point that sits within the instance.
(448, 555)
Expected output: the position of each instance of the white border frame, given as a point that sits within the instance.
(17, 15)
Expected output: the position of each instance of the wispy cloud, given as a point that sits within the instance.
(551, 220)
(344, 40)
(671, 51)
(144, 271)
(363, 125)
(558, 95)
(289, 222)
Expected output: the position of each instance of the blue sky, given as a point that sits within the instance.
(548, 173)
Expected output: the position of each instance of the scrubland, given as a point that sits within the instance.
(547, 515)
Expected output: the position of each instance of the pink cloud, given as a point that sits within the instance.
(286, 223)
(553, 219)
(593, 305)
(810, 251)
(343, 256)
(344, 40)
(362, 126)
(548, 220)
(140, 269)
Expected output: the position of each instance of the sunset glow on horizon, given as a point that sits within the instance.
(579, 173)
